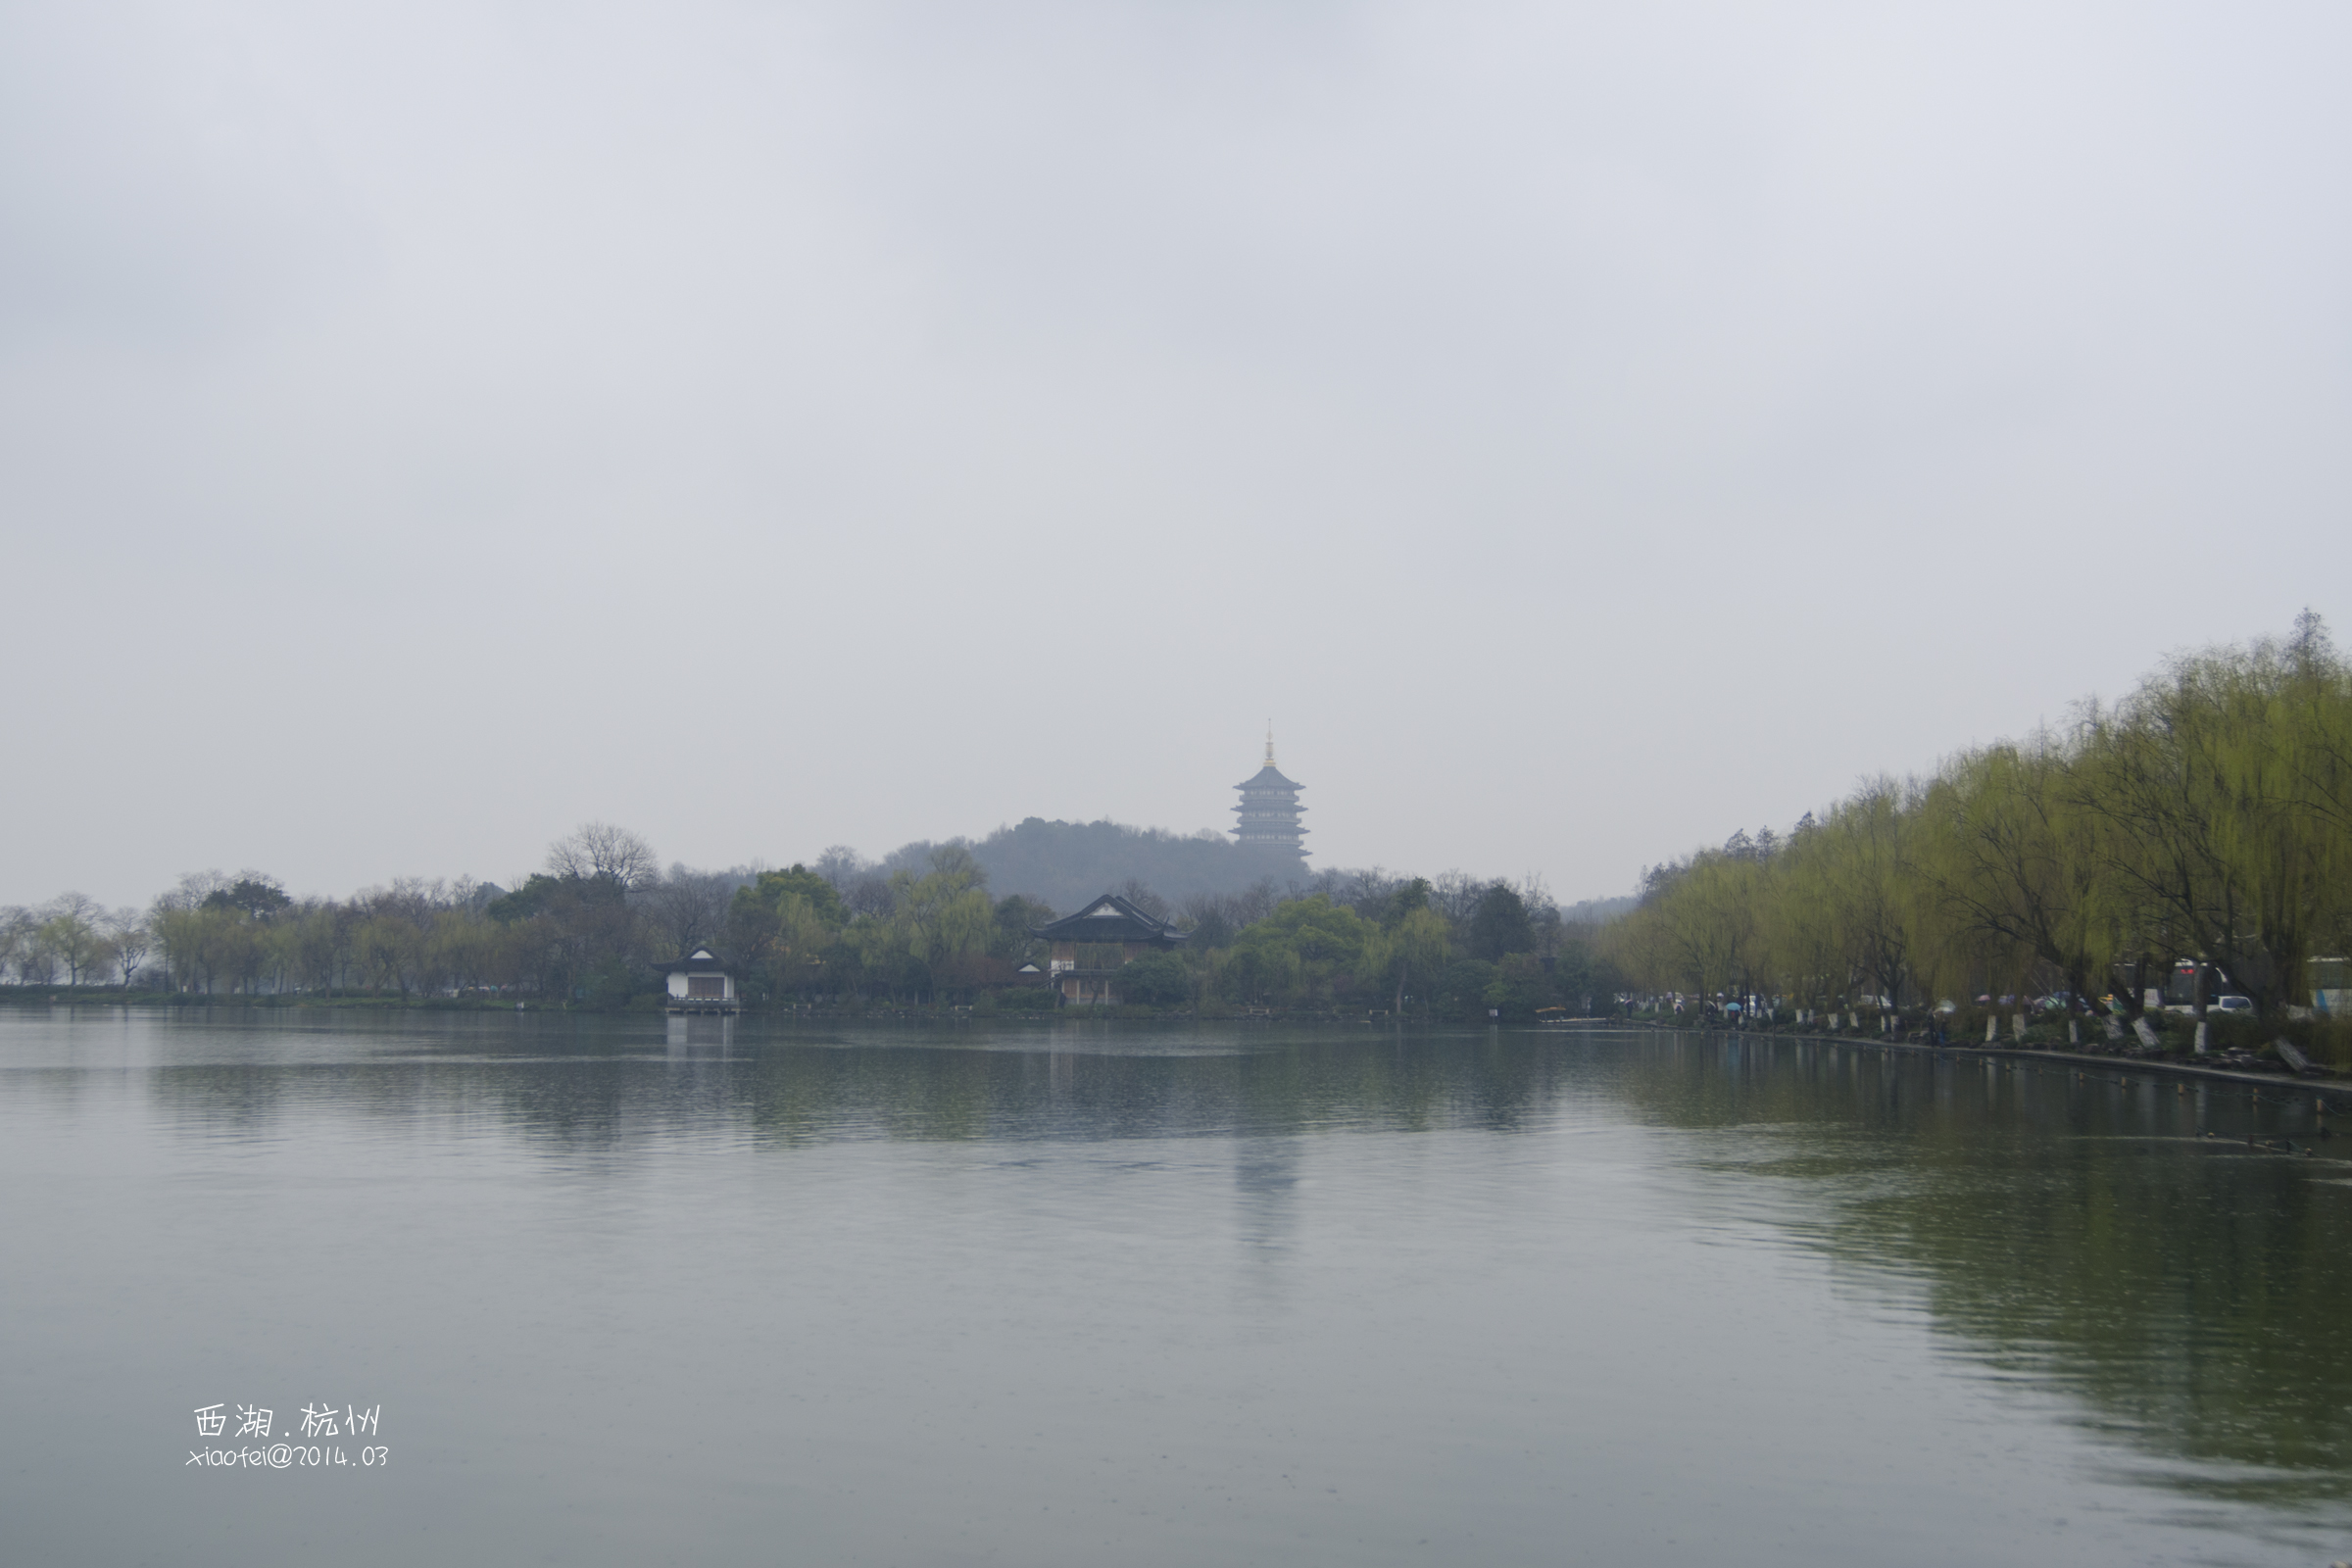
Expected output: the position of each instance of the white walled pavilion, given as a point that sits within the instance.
(699, 983)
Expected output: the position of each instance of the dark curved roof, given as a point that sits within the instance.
(1269, 777)
(1110, 919)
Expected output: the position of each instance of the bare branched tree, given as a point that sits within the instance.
(17, 940)
(1455, 894)
(841, 865)
(689, 906)
(1143, 898)
(128, 939)
(868, 894)
(1536, 894)
(1255, 902)
(601, 850)
(194, 888)
(1371, 889)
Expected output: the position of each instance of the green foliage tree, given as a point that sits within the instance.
(251, 894)
(1403, 960)
(1500, 924)
(1520, 989)
(1016, 917)
(820, 896)
(1460, 990)
(73, 931)
(2208, 816)
(1583, 978)
(1301, 952)
(1156, 980)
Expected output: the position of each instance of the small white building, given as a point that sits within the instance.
(699, 984)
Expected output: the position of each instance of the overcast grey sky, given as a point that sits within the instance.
(1583, 429)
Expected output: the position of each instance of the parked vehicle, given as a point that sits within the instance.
(2227, 1001)
(2182, 985)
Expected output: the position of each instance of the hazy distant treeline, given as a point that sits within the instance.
(1452, 945)
(1067, 863)
(924, 926)
(2206, 816)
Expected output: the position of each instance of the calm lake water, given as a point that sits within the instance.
(634, 1292)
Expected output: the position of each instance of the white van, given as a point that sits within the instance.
(2227, 1002)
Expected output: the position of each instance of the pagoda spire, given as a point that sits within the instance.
(1269, 812)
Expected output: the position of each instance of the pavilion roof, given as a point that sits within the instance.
(1110, 918)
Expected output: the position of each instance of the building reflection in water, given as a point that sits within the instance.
(2175, 1256)
(1265, 1183)
(698, 1034)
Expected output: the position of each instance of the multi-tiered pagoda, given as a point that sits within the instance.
(1269, 812)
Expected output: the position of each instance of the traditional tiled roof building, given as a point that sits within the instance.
(1269, 812)
(1091, 946)
(699, 983)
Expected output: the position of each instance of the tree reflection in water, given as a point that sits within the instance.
(2110, 1234)
(2072, 1229)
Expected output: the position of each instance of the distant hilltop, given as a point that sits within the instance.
(1064, 864)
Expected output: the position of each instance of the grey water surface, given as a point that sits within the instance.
(645, 1291)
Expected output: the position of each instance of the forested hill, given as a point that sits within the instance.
(1066, 864)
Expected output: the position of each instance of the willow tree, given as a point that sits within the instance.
(2218, 776)
(1865, 841)
(2013, 864)
(1804, 932)
(2317, 703)
(2207, 816)
(943, 919)
(1700, 927)
(2286, 771)
(1409, 955)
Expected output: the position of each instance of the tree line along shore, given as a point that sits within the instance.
(2186, 846)
(590, 928)
(2201, 827)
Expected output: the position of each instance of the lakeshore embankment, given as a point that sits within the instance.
(2319, 1083)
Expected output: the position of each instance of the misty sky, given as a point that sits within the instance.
(1583, 429)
